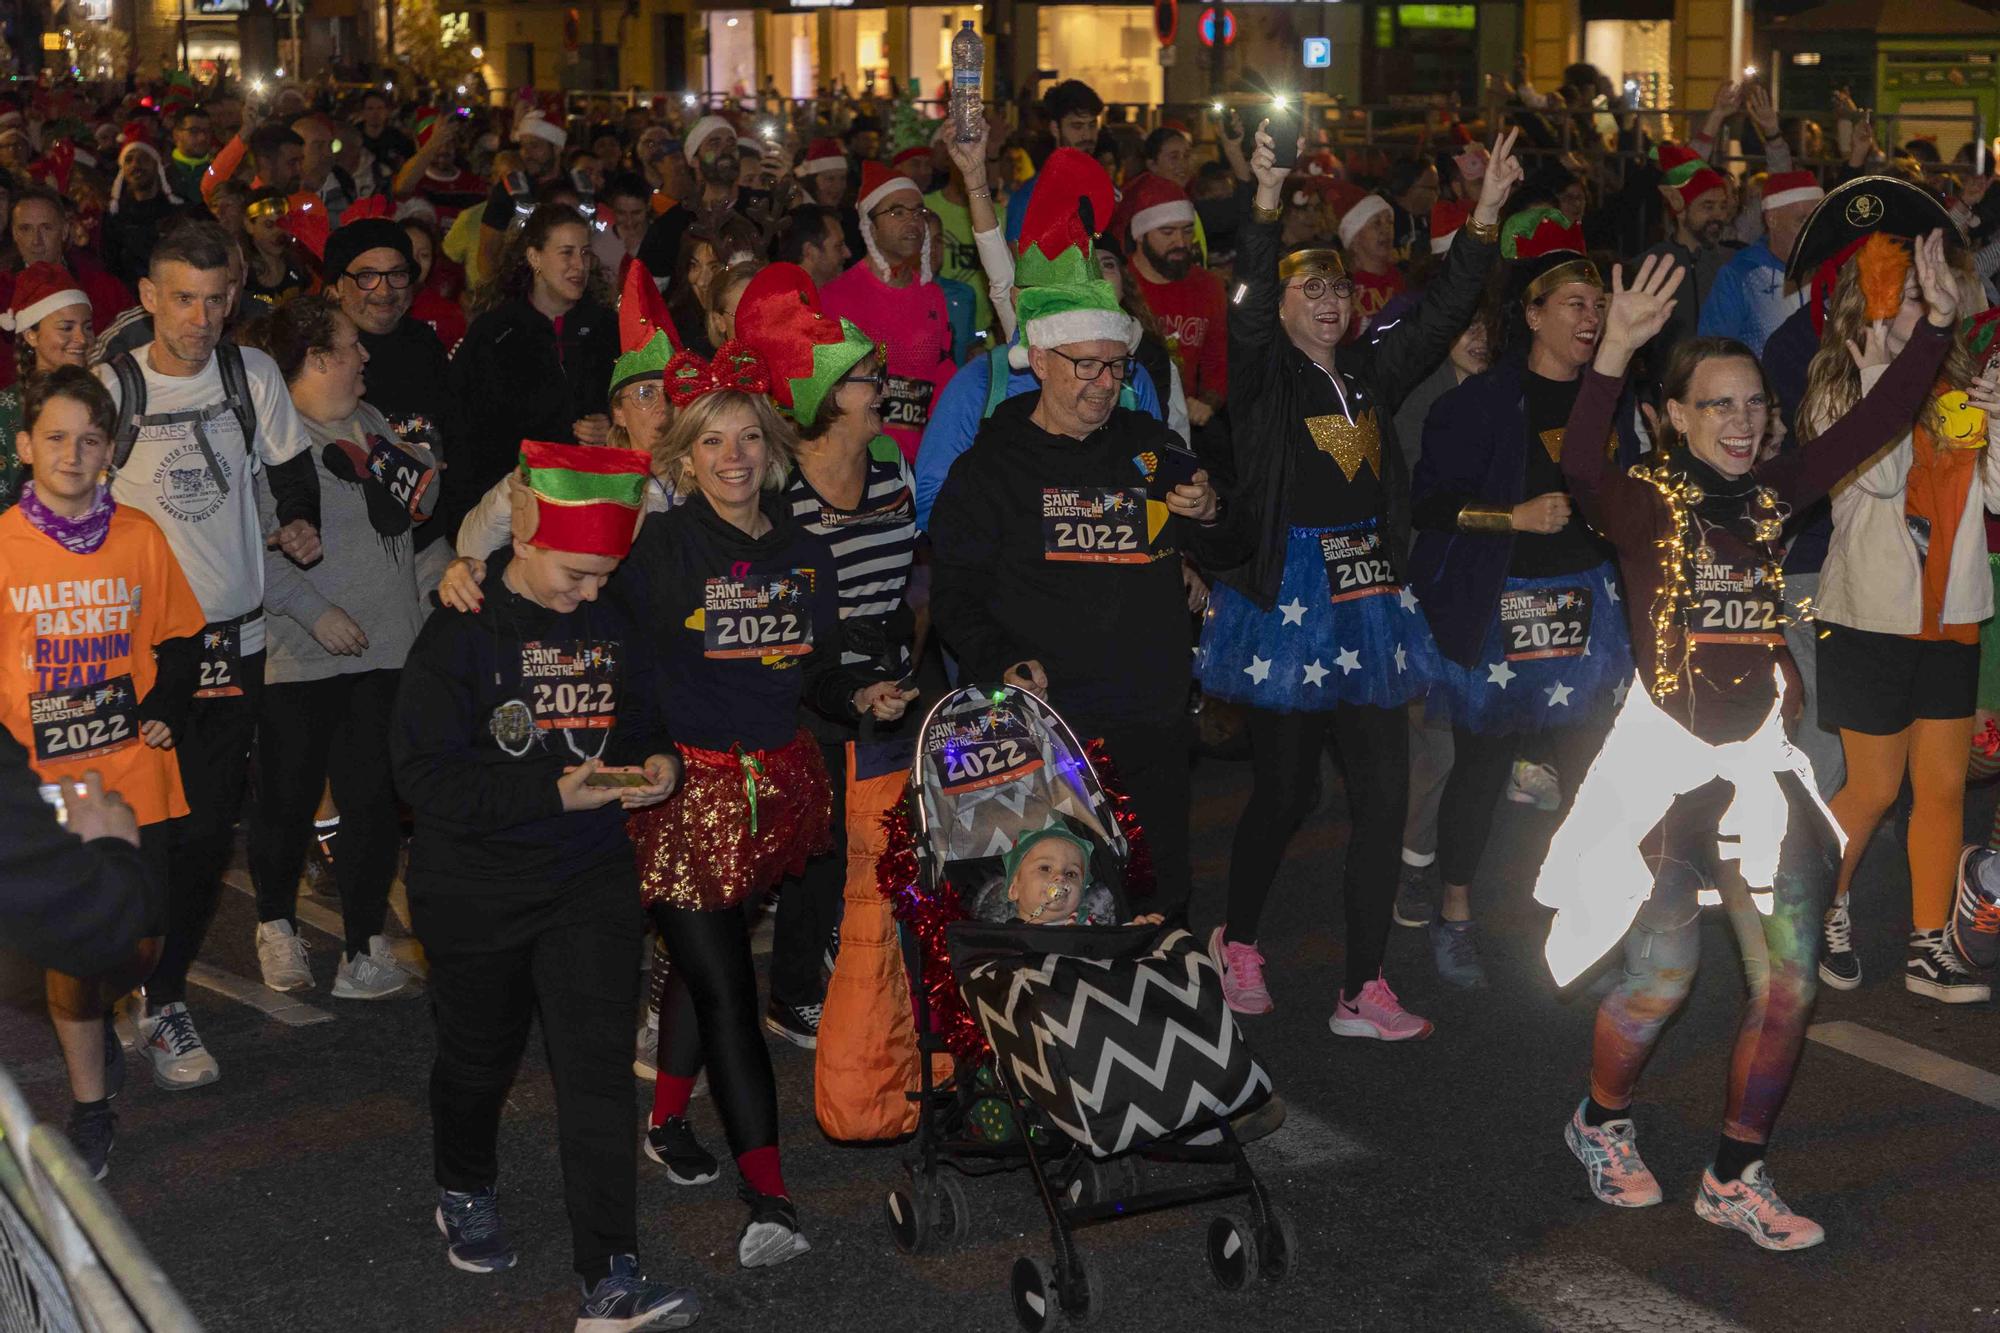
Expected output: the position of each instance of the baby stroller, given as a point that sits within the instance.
(1108, 1047)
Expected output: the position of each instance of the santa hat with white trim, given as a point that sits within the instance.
(1791, 187)
(877, 184)
(132, 146)
(1064, 298)
(822, 155)
(40, 291)
(1365, 211)
(1158, 202)
(1447, 216)
(538, 126)
(703, 128)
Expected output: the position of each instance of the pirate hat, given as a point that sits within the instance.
(1851, 211)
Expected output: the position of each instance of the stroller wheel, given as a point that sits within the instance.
(910, 1218)
(1278, 1246)
(950, 1221)
(1079, 1291)
(1232, 1252)
(1034, 1290)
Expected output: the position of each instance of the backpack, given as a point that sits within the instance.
(998, 370)
(236, 399)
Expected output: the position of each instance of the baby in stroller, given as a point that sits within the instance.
(1046, 882)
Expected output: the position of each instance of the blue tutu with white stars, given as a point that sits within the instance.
(1557, 655)
(1310, 651)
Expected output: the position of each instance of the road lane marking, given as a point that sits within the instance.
(1917, 1062)
(1577, 1293)
(291, 1012)
(327, 922)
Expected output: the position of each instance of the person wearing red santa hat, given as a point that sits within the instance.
(915, 162)
(893, 297)
(824, 172)
(1699, 212)
(1368, 235)
(50, 321)
(1186, 299)
(142, 199)
(711, 149)
(40, 227)
(1749, 299)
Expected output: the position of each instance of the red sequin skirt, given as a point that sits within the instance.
(698, 849)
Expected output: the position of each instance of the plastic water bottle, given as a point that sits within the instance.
(968, 63)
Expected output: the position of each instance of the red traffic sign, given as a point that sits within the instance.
(1166, 20)
(1218, 26)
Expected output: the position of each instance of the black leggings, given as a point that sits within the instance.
(1373, 747)
(710, 1018)
(1480, 765)
(809, 907)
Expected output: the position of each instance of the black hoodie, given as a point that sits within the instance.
(1016, 577)
(483, 814)
(740, 629)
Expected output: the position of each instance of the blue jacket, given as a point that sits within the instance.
(1748, 300)
(961, 407)
(1475, 452)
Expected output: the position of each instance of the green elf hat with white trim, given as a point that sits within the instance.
(646, 339)
(1064, 299)
(779, 317)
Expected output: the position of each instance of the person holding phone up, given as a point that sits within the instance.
(1315, 630)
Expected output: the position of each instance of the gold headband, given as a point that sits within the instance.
(267, 208)
(1311, 264)
(1575, 270)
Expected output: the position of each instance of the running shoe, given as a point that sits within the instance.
(374, 975)
(826, 960)
(1242, 969)
(475, 1237)
(627, 1301)
(1611, 1156)
(772, 1234)
(672, 1144)
(796, 1023)
(1416, 895)
(1376, 1013)
(1752, 1206)
(646, 1048)
(1456, 953)
(281, 957)
(91, 1132)
(1840, 966)
(179, 1059)
(1535, 784)
(1974, 928)
(1935, 970)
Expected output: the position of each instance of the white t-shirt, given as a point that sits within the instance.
(218, 538)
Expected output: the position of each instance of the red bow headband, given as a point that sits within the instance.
(735, 366)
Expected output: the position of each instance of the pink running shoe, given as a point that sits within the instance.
(1611, 1155)
(1242, 969)
(1376, 1013)
(1752, 1206)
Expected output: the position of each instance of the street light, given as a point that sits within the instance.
(479, 53)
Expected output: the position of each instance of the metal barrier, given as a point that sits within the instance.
(69, 1262)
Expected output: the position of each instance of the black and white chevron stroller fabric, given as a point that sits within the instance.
(1120, 1039)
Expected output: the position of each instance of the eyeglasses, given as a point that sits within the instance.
(1314, 288)
(1090, 369)
(646, 395)
(880, 379)
(368, 279)
(897, 213)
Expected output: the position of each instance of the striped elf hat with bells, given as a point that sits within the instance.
(646, 337)
(807, 350)
(1064, 298)
(587, 500)
(1547, 250)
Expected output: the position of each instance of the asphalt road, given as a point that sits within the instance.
(1428, 1182)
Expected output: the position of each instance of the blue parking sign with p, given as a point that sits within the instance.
(1318, 52)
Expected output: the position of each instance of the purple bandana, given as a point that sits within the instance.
(79, 536)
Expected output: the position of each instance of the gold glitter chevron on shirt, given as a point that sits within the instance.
(1552, 440)
(1348, 443)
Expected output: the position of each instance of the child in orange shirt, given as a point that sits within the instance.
(98, 658)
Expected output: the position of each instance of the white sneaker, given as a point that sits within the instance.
(179, 1059)
(374, 975)
(281, 956)
(1536, 785)
(646, 1049)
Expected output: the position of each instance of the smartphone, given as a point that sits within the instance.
(1286, 125)
(517, 184)
(1176, 467)
(618, 777)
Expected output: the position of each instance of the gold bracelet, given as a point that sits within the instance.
(1259, 213)
(1487, 232)
(1491, 519)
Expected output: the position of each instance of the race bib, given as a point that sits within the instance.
(1095, 525)
(768, 616)
(986, 751)
(1551, 622)
(907, 403)
(221, 667)
(571, 685)
(1733, 605)
(1356, 565)
(84, 721)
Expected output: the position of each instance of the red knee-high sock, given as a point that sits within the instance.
(760, 1170)
(670, 1096)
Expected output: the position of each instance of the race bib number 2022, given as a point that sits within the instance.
(1095, 525)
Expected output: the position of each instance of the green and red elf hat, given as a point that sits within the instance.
(1064, 298)
(1685, 173)
(646, 337)
(806, 349)
(1547, 250)
(588, 500)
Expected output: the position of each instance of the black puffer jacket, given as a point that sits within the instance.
(1274, 387)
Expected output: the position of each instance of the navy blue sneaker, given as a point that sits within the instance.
(1974, 928)
(476, 1238)
(629, 1302)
